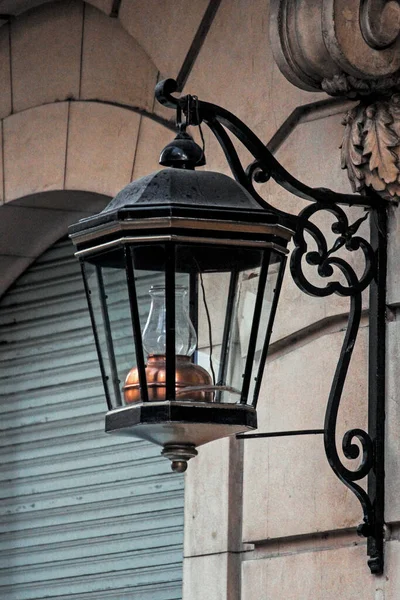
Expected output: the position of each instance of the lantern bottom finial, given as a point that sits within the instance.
(179, 454)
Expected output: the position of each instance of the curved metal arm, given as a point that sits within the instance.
(198, 111)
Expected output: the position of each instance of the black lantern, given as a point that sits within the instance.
(183, 271)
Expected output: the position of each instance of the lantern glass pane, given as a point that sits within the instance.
(109, 298)
(157, 305)
(148, 302)
(242, 319)
(271, 289)
(224, 315)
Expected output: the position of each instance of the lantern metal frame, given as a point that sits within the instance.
(264, 167)
(190, 111)
(161, 211)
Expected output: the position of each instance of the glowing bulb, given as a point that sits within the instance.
(154, 333)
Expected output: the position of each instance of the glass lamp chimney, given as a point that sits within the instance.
(154, 333)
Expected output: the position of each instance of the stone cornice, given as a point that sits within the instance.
(349, 48)
(339, 46)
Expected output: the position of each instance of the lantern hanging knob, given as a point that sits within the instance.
(182, 153)
(179, 466)
(179, 454)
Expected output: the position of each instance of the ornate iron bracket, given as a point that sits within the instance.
(348, 283)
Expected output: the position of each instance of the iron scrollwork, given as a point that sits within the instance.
(326, 263)
(347, 283)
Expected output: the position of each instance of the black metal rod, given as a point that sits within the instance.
(96, 336)
(376, 389)
(231, 155)
(248, 370)
(209, 113)
(108, 337)
(268, 333)
(197, 43)
(226, 336)
(299, 115)
(136, 327)
(170, 358)
(114, 12)
(194, 306)
(245, 436)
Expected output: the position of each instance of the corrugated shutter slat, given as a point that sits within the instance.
(84, 516)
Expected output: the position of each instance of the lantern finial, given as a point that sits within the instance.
(182, 153)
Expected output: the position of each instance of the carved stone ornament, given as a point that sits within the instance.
(371, 147)
(349, 48)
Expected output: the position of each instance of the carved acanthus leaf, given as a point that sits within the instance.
(380, 139)
(353, 87)
(352, 158)
(371, 147)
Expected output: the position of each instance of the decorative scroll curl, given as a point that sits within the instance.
(341, 46)
(323, 257)
(327, 265)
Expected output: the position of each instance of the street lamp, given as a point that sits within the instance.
(183, 271)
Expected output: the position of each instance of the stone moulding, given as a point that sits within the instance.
(340, 46)
(349, 48)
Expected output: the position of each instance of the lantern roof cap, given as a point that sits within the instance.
(178, 192)
(185, 186)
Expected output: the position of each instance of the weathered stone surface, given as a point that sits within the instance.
(290, 476)
(114, 66)
(152, 139)
(5, 74)
(29, 225)
(34, 150)
(392, 423)
(215, 577)
(225, 74)
(348, 48)
(390, 583)
(17, 7)
(38, 228)
(164, 29)
(45, 54)
(314, 575)
(393, 279)
(212, 500)
(101, 147)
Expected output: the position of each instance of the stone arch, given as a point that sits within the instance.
(30, 225)
(61, 162)
(153, 24)
(76, 91)
(77, 88)
(70, 50)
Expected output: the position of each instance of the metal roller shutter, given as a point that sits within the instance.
(84, 515)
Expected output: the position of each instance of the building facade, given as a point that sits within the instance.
(265, 519)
